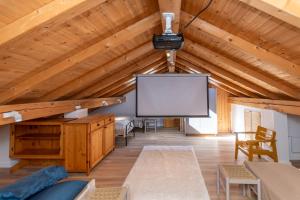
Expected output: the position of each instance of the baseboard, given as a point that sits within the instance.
(8, 164)
(200, 134)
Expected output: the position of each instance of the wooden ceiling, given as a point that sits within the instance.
(75, 49)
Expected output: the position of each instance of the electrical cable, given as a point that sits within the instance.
(197, 15)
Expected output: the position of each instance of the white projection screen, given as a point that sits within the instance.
(172, 95)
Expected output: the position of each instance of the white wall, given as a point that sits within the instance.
(270, 119)
(207, 125)
(281, 128)
(238, 121)
(125, 109)
(294, 136)
(5, 161)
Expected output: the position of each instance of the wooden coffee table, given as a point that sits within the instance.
(236, 174)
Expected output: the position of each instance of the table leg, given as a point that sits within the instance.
(258, 190)
(218, 180)
(227, 189)
(244, 189)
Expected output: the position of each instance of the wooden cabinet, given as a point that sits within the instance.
(91, 138)
(172, 123)
(79, 144)
(38, 139)
(109, 138)
(96, 146)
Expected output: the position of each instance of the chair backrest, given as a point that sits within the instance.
(263, 133)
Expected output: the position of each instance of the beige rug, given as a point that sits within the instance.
(166, 173)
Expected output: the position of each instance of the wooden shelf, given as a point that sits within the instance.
(38, 152)
(38, 136)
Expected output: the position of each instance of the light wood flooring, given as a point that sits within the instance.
(112, 171)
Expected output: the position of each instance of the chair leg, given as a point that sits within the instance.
(227, 190)
(236, 152)
(250, 156)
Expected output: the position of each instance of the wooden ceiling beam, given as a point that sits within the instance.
(233, 77)
(124, 88)
(102, 46)
(91, 77)
(116, 81)
(49, 15)
(231, 65)
(173, 6)
(218, 79)
(247, 47)
(285, 10)
(210, 80)
(150, 61)
(289, 107)
(228, 75)
(227, 89)
(45, 109)
(118, 89)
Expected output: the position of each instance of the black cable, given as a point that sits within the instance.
(197, 15)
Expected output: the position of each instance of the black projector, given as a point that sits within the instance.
(168, 41)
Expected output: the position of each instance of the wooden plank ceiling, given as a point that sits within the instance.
(76, 49)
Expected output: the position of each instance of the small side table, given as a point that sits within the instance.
(150, 123)
(236, 174)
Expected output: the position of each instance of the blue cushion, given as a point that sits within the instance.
(32, 184)
(67, 190)
(56, 172)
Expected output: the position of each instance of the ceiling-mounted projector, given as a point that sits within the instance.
(168, 40)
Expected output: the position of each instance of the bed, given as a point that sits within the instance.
(124, 126)
(279, 181)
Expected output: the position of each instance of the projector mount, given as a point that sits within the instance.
(168, 40)
(168, 17)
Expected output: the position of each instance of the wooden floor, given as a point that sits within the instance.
(113, 170)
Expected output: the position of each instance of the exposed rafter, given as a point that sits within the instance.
(211, 81)
(217, 78)
(104, 45)
(92, 76)
(228, 75)
(258, 52)
(53, 13)
(225, 88)
(290, 107)
(231, 65)
(115, 80)
(125, 91)
(92, 89)
(173, 6)
(285, 10)
(126, 87)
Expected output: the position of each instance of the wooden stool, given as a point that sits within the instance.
(114, 193)
(236, 174)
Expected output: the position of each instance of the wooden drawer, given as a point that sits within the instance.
(97, 125)
(108, 120)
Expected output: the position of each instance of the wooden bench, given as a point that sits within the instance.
(263, 144)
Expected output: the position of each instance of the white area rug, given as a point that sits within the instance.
(166, 173)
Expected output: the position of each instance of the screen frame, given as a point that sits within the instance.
(159, 116)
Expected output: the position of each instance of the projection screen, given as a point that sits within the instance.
(172, 95)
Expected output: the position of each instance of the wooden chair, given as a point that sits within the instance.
(263, 144)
